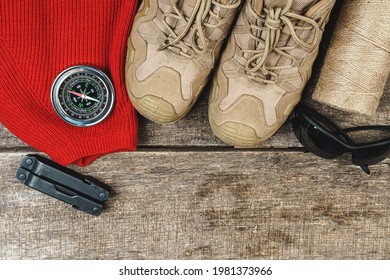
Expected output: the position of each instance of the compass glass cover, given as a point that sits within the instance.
(82, 96)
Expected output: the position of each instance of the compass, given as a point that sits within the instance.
(82, 95)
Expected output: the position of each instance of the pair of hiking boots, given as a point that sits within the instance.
(174, 46)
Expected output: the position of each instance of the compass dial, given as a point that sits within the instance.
(82, 96)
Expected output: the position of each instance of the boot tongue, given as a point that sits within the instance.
(298, 6)
(257, 6)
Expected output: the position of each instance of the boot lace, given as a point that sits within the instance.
(194, 25)
(272, 22)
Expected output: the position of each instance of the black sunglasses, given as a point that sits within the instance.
(324, 138)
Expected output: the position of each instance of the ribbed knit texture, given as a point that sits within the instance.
(41, 38)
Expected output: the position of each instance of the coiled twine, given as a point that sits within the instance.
(357, 64)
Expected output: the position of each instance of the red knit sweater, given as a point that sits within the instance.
(39, 39)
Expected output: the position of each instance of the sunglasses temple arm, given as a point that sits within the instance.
(366, 169)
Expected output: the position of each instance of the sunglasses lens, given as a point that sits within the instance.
(371, 155)
(313, 139)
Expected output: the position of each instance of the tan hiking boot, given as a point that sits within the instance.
(265, 67)
(172, 48)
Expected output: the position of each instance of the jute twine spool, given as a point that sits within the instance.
(357, 63)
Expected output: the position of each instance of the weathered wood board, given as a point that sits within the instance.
(206, 205)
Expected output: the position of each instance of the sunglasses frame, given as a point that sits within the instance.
(315, 119)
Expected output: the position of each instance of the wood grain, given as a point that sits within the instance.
(206, 205)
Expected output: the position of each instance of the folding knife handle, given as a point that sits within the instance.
(79, 202)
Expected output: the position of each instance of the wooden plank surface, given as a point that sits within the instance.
(206, 205)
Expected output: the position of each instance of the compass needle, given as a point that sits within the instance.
(90, 98)
(75, 93)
